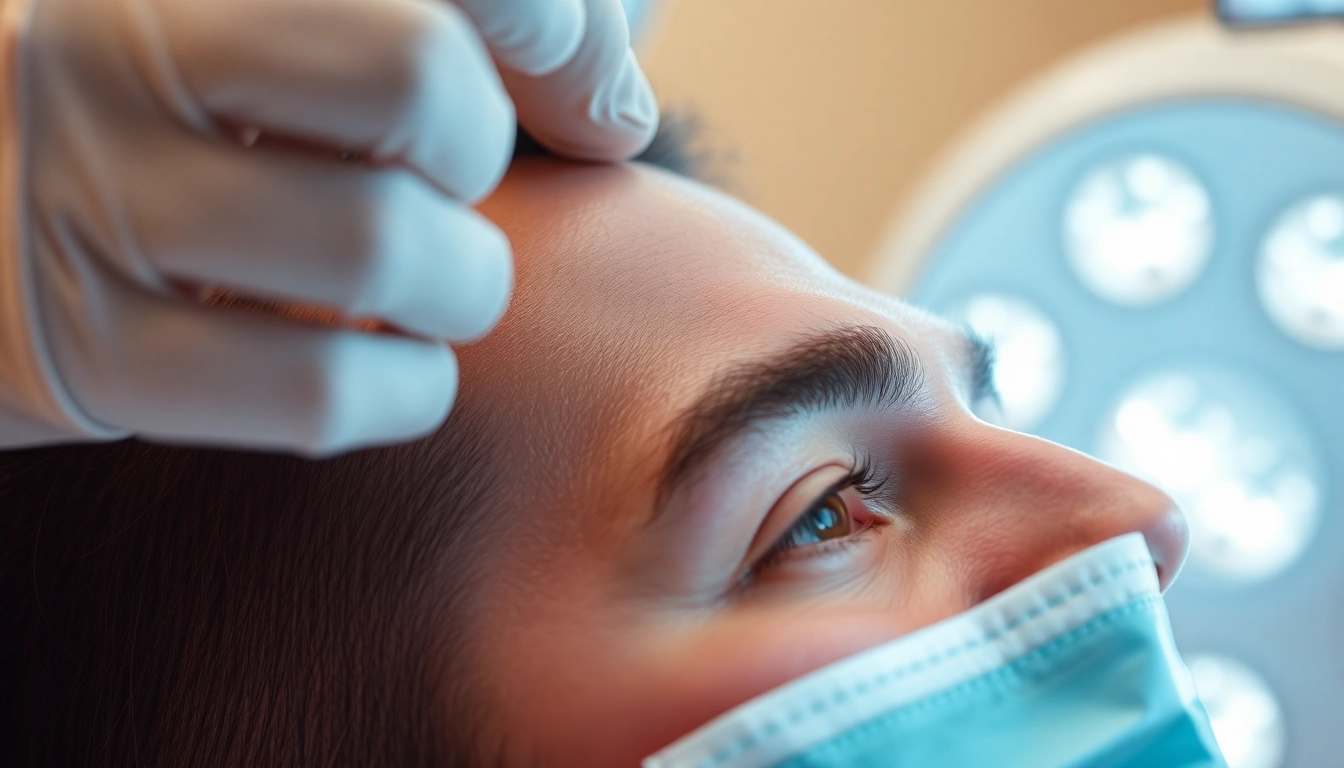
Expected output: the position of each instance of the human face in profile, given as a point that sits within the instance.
(731, 465)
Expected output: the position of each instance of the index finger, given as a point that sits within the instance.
(598, 106)
(535, 37)
(405, 81)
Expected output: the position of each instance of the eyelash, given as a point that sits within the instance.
(865, 480)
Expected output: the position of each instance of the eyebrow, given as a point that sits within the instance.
(843, 368)
(983, 358)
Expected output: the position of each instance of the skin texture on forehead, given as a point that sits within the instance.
(623, 268)
(609, 626)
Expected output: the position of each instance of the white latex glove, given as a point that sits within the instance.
(123, 176)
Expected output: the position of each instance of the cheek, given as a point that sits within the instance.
(621, 704)
(751, 655)
(594, 685)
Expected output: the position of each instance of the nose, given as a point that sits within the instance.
(1016, 504)
(1169, 540)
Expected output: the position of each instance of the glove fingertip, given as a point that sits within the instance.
(635, 108)
(616, 122)
(383, 390)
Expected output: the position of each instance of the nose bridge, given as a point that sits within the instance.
(1019, 504)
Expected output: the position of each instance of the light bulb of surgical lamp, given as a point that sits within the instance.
(1029, 354)
(1139, 229)
(1246, 718)
(1233, 457)
(1300, 274)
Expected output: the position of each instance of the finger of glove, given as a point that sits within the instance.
(599, 105)
(168, 370)
(532, 36)
(404, 81)
(367, 241)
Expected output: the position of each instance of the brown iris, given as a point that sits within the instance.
(830, 519)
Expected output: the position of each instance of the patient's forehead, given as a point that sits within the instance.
(633, 287)
(640, 239)
(614, 251)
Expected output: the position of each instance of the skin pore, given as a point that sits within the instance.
(732, 465)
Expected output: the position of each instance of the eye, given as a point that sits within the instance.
(837, 516)
(832, 522)
(828, 519)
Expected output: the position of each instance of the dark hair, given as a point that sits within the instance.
(176, 606)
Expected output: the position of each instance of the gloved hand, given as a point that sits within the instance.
(131, 167)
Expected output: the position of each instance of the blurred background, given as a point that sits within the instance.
(835, 109)
(1141, 203)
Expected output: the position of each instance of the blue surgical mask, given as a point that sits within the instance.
(1074, 666)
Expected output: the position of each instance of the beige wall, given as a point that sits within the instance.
(834, 108)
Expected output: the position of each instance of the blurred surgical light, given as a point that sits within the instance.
(1232, 457)
(1138, 229)
(1260, 11)
(1246, 718)
(1300, 274)
(1173, 201)
(1029, 370)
